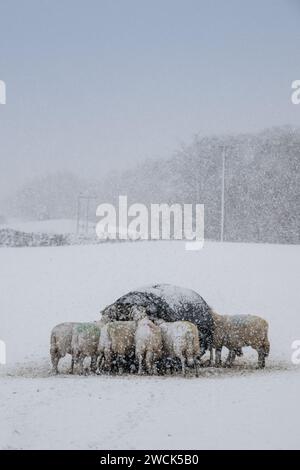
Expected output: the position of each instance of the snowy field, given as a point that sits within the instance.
(238, 408)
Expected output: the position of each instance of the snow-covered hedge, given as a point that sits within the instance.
(16, 238)
(13, 238)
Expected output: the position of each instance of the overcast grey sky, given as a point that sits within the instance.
(95, 85)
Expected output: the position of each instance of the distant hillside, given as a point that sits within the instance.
(262, 181)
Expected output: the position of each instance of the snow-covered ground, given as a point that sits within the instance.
(238, 408)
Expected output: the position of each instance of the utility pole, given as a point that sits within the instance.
(223, 193)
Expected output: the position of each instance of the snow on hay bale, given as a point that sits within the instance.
(170, 303)
(237, 331)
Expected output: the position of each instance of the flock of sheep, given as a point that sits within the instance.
(157, 329)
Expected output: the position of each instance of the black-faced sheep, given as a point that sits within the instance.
(237, 331)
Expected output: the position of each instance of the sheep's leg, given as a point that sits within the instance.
(80, 361)
(99, 363)
(230, 359)
(170, 365)
(154, 364)
(75, 357)
(94, 363)
(140, 371)
(162, 366)
(149, 361)
(55, 360)
(154, 368)
(190, 361)
(261, 358)
(211, 357)
(218, 360)
(121, 360)
(197, 366)
(132, 368)
(182, 359)
(108, 359)
(233, 356)
(79, 358)
(202, 351)
(71, 371)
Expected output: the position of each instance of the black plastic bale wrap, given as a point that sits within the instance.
(170, 303)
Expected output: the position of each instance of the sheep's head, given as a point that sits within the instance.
(138, 312)
(158, 321)
(103, 320)
(123, 312)
(110, 313)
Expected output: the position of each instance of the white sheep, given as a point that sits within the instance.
(116, 342)
(148, 341)
(85, 340)
(65, 339)
(61, 344)
(181, 340)
(237, 331)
